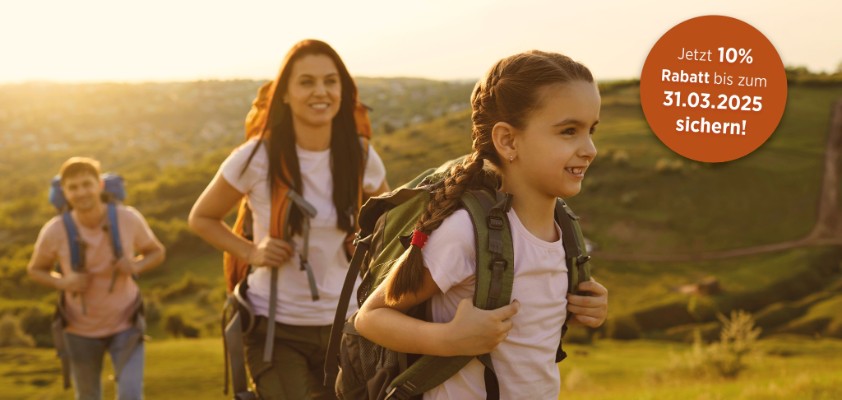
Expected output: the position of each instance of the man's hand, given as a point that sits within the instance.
(75, 282)
(126, 266)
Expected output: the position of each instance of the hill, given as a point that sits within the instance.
(638, 199)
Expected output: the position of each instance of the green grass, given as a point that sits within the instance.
(204, 265)
(766, 197)
(637, 285)
(788, 367)
(175, 369)
(409, 151)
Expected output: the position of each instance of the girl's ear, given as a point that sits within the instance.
(503, 136)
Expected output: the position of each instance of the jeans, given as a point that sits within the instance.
(86, 356)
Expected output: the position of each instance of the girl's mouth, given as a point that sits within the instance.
(576, 171)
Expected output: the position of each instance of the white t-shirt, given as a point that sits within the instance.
(295, 305)
(525, 361)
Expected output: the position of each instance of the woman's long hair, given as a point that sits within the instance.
(345, 150)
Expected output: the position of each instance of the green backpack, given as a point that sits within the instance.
(362, 369)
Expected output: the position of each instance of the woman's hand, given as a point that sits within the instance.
(270, 252)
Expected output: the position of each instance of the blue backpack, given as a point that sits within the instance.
(115, 190)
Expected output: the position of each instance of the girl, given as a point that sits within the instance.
(533, 117)
(309, 145)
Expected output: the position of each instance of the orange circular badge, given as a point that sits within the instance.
(713, 89)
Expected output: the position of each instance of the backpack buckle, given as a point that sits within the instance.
(582, 259)
(495, 222)
(498, 265)
(359, 237)
(400, 392)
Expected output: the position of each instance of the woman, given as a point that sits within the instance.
(308, 148)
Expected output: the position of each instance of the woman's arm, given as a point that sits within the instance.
(206, 220)
(471, 332)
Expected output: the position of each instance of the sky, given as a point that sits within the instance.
(166, 40)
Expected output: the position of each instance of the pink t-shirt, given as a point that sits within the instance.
(106, 312)
(525, 361)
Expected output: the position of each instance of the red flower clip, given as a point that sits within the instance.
(418, 239)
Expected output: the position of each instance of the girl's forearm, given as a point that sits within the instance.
(399, 332)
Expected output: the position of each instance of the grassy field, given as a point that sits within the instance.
(175, 369)
(784, 368)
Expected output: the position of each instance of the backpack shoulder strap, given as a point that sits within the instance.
(494, 248)
(576, 253)
(77, 257)
(576, 256)
(114, 230)
(495, 276)
(116, 243)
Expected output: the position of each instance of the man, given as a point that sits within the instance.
(100, 297)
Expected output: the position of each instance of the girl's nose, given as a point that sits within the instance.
(588, 149)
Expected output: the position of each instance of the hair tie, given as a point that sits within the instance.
(418, 239)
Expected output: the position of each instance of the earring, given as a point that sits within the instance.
(511, 159)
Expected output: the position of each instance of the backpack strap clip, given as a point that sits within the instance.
(358, 238)
(498, 265)
(495, 222)
(401, 392)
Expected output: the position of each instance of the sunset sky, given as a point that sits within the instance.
(115, 40)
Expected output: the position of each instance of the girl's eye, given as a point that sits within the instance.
(569, 131)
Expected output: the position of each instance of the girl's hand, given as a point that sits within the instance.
(589, 310)
(270, 252)
(476, 331)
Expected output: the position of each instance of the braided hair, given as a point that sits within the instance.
(508, 93)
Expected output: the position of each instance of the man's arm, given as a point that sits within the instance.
(40, 269)
(150, 251)
(149, 257)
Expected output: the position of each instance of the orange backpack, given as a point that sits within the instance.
(236, 269)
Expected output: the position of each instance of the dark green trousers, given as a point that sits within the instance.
(296, 371)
